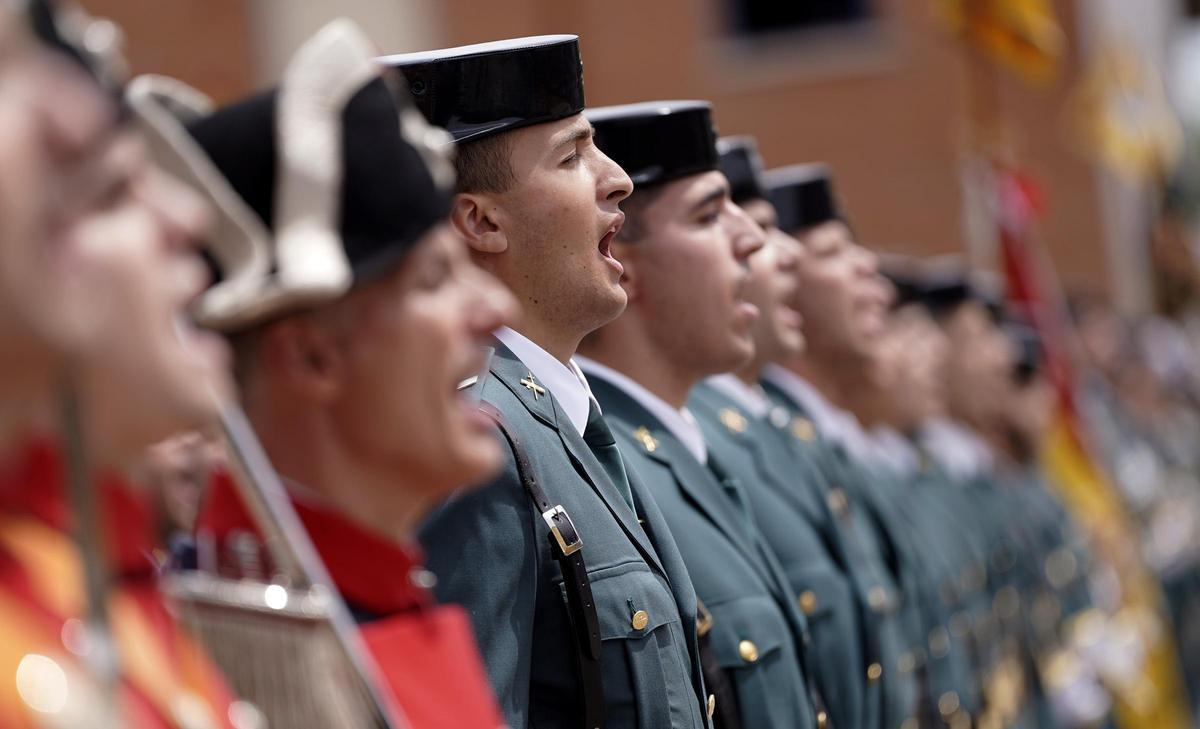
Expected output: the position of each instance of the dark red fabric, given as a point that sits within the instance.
(426, 652)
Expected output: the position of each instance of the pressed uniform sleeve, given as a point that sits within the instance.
(482, 548)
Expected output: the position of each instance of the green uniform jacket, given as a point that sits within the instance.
(489, 550)
(937, 558)
(871, 557)
(757, 634)
(793, 519)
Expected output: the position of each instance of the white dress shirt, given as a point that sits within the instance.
(751, 398)
(957, 449)
(565, 381)
(895, 451)
(833, 423)
(679, 423)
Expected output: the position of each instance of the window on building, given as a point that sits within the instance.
(771, 17)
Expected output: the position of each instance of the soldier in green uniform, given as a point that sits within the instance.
(906, 388)
(684, 252)
(785, 485)
(976, 373)
(844, 302)
(613, 644)
(1039, 566)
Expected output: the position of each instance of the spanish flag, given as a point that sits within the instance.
(1154, 696)
(1022, 35)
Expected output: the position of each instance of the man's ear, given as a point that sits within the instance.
(305, 356)
(479, 221)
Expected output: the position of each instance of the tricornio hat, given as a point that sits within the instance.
(322, 183)
(802, 195)
(743, 168)
(484, 89)
(657, 141)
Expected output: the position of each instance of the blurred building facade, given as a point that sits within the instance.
(877, 88)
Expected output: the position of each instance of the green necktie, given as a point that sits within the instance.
(600, 441)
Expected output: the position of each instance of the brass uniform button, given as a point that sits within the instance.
(1061, 567)
(748, 651)
(803, 429)
(808, 602)
(948, 703)
(1007, 603)
(837, 501)
(939, 642)
(874, 671)
(733, 420)
(906, 663)
(640, 620)
(877, 598)
(822, 720)
(712, 705)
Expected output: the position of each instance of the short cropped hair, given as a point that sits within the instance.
(485, 165)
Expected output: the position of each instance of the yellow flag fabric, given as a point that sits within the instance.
(1155, 696)
(1123, 118)
(1022, 35)
(1152, 695)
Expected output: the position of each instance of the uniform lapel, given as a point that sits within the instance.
(697, 483)
(584, 459)
(510, 371)
(752, 433)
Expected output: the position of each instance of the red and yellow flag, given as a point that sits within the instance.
(1154, 697)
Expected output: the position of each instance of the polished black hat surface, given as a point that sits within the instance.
(802, 195)
(483, 89)
(657, 141)
(743, 168)
(332, 178)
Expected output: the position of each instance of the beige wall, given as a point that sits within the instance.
(886, 108)
(204, 42)
(278, 27)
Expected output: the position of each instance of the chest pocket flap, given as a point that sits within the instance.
(747, 630)
(820, 592)
(631, 601)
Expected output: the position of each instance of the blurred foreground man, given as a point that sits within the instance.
(684, 250)
(582, 605)
(96, 267)
(355, 313)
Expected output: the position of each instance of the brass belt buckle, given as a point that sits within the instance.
(572, 543)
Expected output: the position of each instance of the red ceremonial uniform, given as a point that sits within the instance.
(425, 651)
(165, 679)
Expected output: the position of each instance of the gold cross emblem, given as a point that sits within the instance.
(642, 435)
(532, 385)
